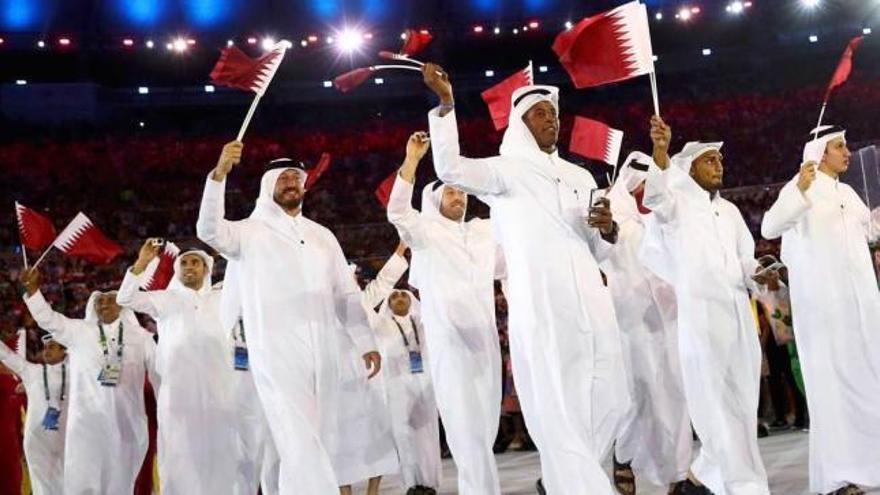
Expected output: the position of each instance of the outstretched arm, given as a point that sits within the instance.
(401, 214)
(211, 227)
(62, 328)
(791, 205)
(473, 176)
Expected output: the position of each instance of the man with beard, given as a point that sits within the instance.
(110, 354)
(193, 358)
(701, 245)
(564, 339)
(454, 268)
(825, 228)
(295, 288)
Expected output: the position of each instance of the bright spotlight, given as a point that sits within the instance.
(379, 81)
(21, 82)
(684, 14)
(811, 4)
(328, 84)
(312, 38)
(866, 31)
(478, 29)
(41, 44)
(150, 44)
(267, 43)
(568, 24)
(128, 42)
(814, 38)
(542, 68)
(515, 31)
(497, 30)
(180, 45)
(303, 43)
(143, 90)
(735, 7)
(209, 88)
(64, 41)
(490, 73)
(534, 25)
(707, 52)
(655, 58)
(252, 41)
(658, 16)
(350, 40)
(229, 42)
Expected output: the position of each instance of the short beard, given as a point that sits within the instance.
(292, 204)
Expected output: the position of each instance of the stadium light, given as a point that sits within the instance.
(64, 42)
(252, 41)
(229, 42)
(515, 31)
(21, 82)
(379, 81)
(707, 52)
(864, 31)
(736, 7)
(143, 90)
(150, 44)
(128, 42)
(568, 24)
(497, 30)
(328, 84)
(814, 38)
(490, 73)
(313, 38)
(811, 4)
(180, 45)
(658, 16)
(303, 43)
(209, 88)
(534, 25)
(542, 68)
(41, 44)
(267, 43)
(350, 40)
(478, 29)
(684, 14)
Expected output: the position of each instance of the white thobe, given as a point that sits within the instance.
(296, 289)
(410, 398)
(366, 445)
(106, 426)
(43, 449)
(835, 307)
(564, 340)
(702, 246)
(457, 294)
(196, 447)
(657, 437)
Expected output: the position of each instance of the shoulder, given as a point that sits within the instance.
(578, 172)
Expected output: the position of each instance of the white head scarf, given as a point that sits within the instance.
(814, 150)
(518, 139)
(684, 159)
(414, 307)
(432, 196)
(623, 204)
(266, 209)
(176, 284)
(126, 316)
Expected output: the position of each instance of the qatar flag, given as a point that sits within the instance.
(36, 231)
(607, 47)
(82, 239)
(595, 140)
(159, 272)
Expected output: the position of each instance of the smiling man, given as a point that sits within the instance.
(825, 228)
(564, 339)
(295, 288)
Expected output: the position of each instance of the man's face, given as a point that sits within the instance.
(836, 156)
(399, 302)
(708, 171)
(542, 121)
(289, 189)
(453, 203)
(192, 271)
(106, 307)
(53, 352)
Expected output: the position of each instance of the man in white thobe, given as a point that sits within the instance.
(296, 289)
(410, 396)
(365, 448)
(825, 228)
(48, 395)
(701, 245)
(454, 265)
(197, 449)
(564, 340)
(110, 355)
(656, 442)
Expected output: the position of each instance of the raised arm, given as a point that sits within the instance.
(401, 214)
(63, 329)
(382, 286)
(350, 310)
(473, 176)
(130, 296)
(791, 205)
(11, 359)
(212, 227)
(658, 193)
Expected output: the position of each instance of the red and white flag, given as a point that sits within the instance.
(607, 47)
(497, 97)
(595, 140)
(844, 67)
(383, 192)
(160, 270)
(82, 239)
(237, 70)
(319, 169)
(415, 41)
(36, 231)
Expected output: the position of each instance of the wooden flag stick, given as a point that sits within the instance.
(248, 117)
(24, 256)
(43, 256)
(654, 95)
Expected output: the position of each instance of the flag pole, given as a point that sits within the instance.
(821, 115)
(24, 256)
(248, 117)
(40, 260)
(653, 77)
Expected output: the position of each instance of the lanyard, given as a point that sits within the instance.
(63, 382)
(102, 339)
(240, 331)
(403, 334)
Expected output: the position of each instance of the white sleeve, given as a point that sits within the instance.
(153, 303)
(745, 249)
(63, 329)
(786, 212)
(211, 227)
(659, 197)
(12, 360)
(471, 175)
(379, 288)
(403, 216)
